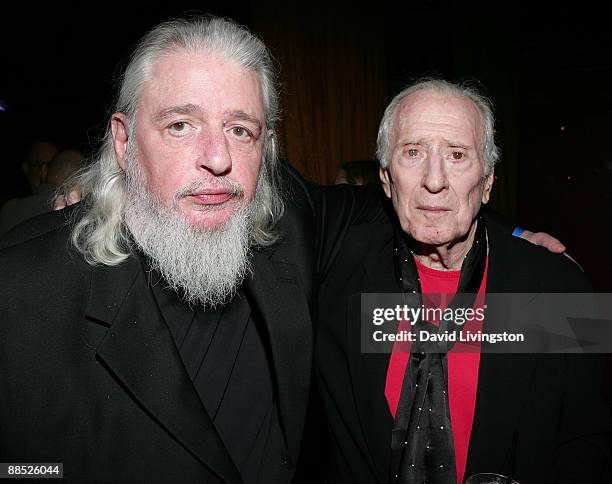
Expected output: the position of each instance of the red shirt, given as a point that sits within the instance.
(463, 364)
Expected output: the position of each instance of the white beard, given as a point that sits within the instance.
(206, 266)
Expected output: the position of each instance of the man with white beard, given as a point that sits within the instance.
(162, 334)
(188, 257)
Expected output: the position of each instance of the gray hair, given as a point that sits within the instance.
(490, 151)
(101, 235)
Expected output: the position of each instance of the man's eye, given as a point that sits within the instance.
(458, 155)
(179, 127)
(241, 132)
(412, 152)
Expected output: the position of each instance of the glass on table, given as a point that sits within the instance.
(489, 478)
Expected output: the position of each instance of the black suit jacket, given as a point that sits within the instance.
(539, 418)
(90, 375)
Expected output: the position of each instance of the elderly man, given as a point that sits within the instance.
(144, 342)
(436, 416)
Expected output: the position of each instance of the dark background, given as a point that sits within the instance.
(547, 68)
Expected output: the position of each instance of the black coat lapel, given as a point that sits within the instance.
(279, 296)
(138, 350)
(369, 371)
(503, 379)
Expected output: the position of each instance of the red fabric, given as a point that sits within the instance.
(463, 363)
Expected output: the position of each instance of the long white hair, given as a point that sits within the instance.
(100, 234)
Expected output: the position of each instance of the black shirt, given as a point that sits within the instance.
(226, 354)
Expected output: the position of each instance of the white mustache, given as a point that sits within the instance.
(232, 187)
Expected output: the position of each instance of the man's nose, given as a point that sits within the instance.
(435, 178)
(214, 156)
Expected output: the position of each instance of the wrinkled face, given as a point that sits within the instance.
(199, 135)
(436, 177)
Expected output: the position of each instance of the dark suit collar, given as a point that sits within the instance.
(279, 297)
(140, 353)
(503, 379)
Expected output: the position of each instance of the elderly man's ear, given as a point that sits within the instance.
(488, 186)
(119, 130)
(385, 178)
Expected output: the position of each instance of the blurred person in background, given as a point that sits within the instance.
(51, 176)
(358, 172)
